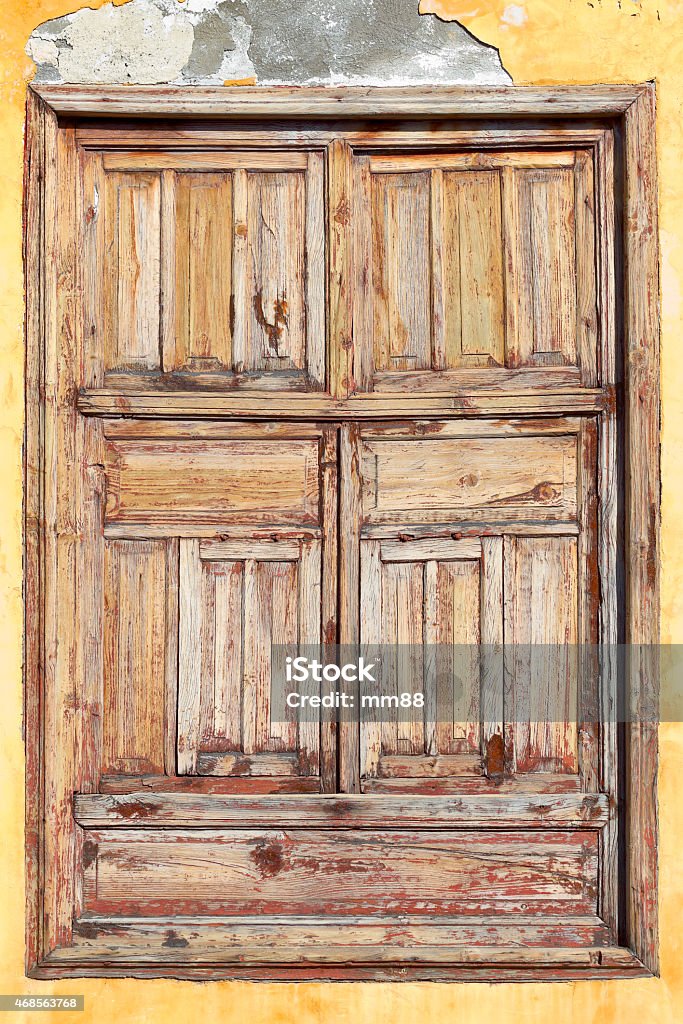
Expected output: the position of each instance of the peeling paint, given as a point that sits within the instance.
(272, 42)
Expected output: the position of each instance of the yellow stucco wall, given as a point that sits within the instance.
(541, 42)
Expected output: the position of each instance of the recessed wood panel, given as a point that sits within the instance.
(425, 480)
(130, 272)
(542, 660)
(203, 233)
(482, 264)
(140, 579)
(472, 270)
(310, 872)
(210, 264)
(401, 271)
(235, 603)
(196, 481)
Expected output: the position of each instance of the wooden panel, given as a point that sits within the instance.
(541, 635)
(415, 593)
(130, 271)
(203, 272)
(212, 481)
(472, 270)
(492, 810)
(244, 872)
(275, 327)
(428, 480)
(401, 271)
(542, 279)
(233, 606)
(138, 577)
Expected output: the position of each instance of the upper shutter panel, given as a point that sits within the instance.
(205, 268)
(473, 267)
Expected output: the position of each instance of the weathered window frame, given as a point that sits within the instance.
(631, 111)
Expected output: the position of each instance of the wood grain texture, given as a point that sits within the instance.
(254, 871)
(212, 481)
(643, 518)
(311, 102)
(418, 826)
(496, 810)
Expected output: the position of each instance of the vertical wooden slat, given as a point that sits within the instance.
(315, 311)
(135, 645)
(172, 346)
(409, 639)
(589, 608)
(61, 321)
(240, 271)
(171, 658)
(389, 631)
(340, 288)
(401, 271)
(131, 271)
(34, 526)
(431, 639)
(519, 339)
(349, 583)
(548, 198)
(329, 517)
(642, 523)
(473, 269)
(227, 681)
(492, 638)
(286, 594)
(442, 270)
(309, 606)
(91, 499)
(203, 281)
(586, 266)
(93, 198)
(189, 656)
(370, 634)
(459, 617)
(541, 613)
(362, 270)
(250, 657)
(276, 237)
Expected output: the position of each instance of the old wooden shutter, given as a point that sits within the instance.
(317, 383)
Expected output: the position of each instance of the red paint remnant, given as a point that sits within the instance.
(280, 322)
(456, 536)
(330, 631)
(495, 756)
(136, 809)
(89, 853)
(342, 212)
(268, 858)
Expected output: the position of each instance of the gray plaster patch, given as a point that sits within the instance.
(276, 42)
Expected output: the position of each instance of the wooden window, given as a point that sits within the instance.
(321, 367)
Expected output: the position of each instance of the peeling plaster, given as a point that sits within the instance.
(272, 42)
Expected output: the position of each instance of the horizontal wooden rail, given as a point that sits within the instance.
(470, 811)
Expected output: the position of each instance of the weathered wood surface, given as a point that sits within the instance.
(388, 103)
(497, 810)
(472, 496)
(240, 871)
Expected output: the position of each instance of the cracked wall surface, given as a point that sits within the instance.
(270, 42)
